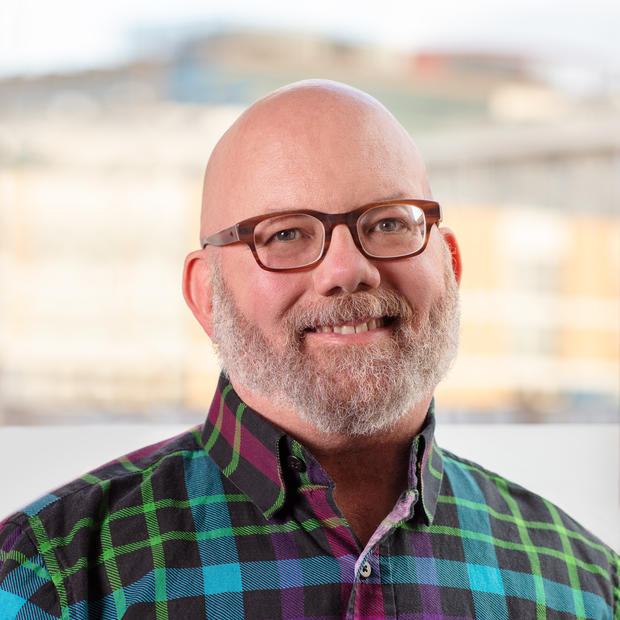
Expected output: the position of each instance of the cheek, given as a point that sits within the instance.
(419, 279)
(262, 296)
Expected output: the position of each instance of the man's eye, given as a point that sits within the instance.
(389, 225)
(289, 234)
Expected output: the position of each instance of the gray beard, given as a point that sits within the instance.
(353, 390)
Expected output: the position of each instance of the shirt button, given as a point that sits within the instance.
(366, 570)
(296, 464)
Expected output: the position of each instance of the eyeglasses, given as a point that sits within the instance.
(297, 240)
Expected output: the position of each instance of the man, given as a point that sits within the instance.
(314, 489)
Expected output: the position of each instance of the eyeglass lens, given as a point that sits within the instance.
(297, 240)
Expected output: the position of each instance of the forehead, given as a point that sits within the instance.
(328, 154)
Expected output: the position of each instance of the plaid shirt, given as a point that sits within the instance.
(238, 520)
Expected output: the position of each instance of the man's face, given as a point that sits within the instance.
(287, 335)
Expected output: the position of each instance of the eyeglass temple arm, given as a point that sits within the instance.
(224, 237)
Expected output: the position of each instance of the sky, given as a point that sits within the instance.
(38, 36)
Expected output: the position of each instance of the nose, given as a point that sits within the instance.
(344, 268)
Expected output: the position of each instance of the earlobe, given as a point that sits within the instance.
(197, 289)
(455, 253)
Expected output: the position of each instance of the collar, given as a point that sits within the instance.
(426, 466)
(266, 464)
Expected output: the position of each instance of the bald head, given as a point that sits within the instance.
(309, 145)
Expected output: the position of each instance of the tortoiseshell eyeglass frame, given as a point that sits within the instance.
(243, 232)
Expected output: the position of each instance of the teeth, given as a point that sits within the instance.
(350, 329)
(344, 329)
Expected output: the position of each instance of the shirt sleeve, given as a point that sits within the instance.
(26, 587)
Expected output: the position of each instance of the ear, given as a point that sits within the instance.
(450, 239)
(197, 289)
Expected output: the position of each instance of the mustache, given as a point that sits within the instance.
(350, 309)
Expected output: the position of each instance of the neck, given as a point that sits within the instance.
(369, 472)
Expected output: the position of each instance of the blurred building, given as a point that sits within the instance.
(100, 180)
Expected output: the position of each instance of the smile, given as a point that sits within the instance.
(353, 328)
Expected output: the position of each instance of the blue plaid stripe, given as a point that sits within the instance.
(28, 577)
(490, 580)
(482, 567)
(10, 604)
(38, 505)
(213, 517)
(232, 578)
(14, 607)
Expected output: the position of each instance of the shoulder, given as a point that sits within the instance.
(51, 540)
(524, 532)
(113, 482)
(471, 485)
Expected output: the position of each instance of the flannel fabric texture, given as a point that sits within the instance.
(237, 520)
